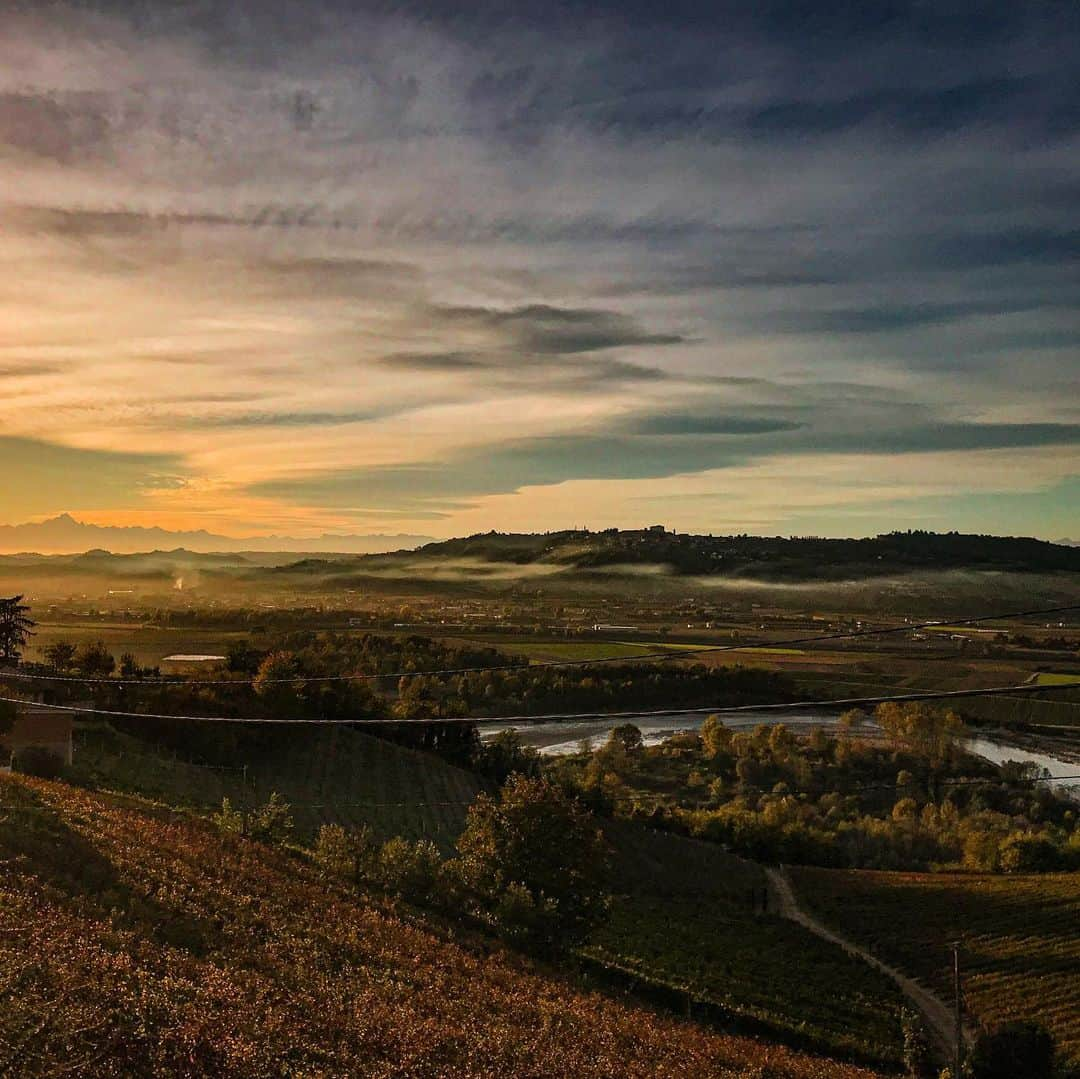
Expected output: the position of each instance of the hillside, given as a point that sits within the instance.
(331, 775)
(760, 557)
(1020, 945)
(687, 919)
(135, 942)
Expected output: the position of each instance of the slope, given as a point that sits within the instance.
(135, 943)
(1020, 947)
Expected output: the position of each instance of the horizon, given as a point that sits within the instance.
(434, 270)
(373, 543)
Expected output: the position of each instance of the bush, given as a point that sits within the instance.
(346, 853)
(272, 822)
(1013, 1050)
(1029, 854)
(412, 870)
(38, 761)
(918, 1059)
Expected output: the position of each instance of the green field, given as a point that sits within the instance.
(1020, 936)
(1056, 678)
(149, 644)
(334, 775)
(684, 918)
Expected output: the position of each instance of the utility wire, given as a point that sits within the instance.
(553, 717)
(666, 654)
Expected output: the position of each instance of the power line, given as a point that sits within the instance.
(552, 717)
(666, 654)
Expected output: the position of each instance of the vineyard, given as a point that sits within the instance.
(334, 775)
(142, 943)
(685, 919)
(1020, 936)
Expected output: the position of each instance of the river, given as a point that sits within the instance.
(562, 737)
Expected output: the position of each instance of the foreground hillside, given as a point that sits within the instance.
(137, 942)
(1020, 936)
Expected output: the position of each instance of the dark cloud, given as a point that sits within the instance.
(544, 329)
(688, 423)
(276, 419)
(433, 361)
(675, 448)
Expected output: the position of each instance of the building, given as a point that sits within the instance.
(41, 727)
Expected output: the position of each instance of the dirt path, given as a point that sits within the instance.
(938, 1014)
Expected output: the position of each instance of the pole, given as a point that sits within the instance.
(958, 1032)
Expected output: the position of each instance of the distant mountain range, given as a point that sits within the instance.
(66, 535)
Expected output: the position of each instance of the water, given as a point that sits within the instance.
(998, 753)
(560, 738)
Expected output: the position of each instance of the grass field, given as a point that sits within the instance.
(333, 775)
(149, 644)
(1056, 678)
(685, 918)
(1020, 936)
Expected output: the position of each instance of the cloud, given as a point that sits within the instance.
(452, 253)
(661, 446)
(548, 330)
(41, 475)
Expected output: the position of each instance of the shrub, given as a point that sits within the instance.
(1029, 854)
(346, 853)
(918, 1059)
(228, 819)
(1012, 1050)
(272, 822)
(410, 869)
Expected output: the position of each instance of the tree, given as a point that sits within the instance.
(60, 655)
(929, 732)
(275, 683)
(1012, 1050)
(536, 840)
(95, 660)
(504, 755)
(715, 737)
(628, 734)
(16, 628)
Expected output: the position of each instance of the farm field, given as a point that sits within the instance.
(1056, 678)
(684, 918)
(149, 644)
(1020, 938)
(333, 775)
(133, 942)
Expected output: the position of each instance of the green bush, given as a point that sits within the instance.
(413, 870)
(349, 853)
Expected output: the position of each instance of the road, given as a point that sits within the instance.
(937, 1014)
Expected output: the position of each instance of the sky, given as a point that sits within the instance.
(780, 268)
